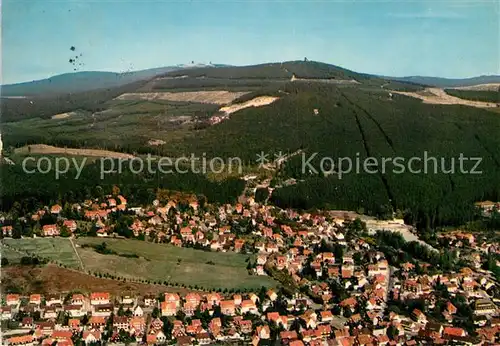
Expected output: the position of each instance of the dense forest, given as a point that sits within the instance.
(284, 70)
(192, 83)
(353, 122)
(31, 191)
(476, 95)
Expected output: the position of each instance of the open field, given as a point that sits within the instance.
(51, 279)
(216, 97)
(11, 255)
(440, 97)
(160, 262)
(56, 249)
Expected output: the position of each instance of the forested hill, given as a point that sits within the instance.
(79, 82)
(448, 82)
(320, 112)
(366, 121)
(281, 70)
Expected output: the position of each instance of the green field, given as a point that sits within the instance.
(55, 249)
(161, 262)
(12, 256)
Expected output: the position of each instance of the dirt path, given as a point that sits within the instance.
(82, 267)
(440, 97)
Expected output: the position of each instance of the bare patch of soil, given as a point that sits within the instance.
(52, 279)
(256, 102)
(62, 115)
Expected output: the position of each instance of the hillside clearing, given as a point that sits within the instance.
(256, 102)
(440, 97)
(52, 150)
(62, 115)
(214, 97)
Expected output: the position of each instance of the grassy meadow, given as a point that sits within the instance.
(162, 262)
(55, 249)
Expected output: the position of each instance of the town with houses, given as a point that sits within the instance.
(341, 280)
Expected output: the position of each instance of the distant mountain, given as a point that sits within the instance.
(447, 82)
(277, 70)
(80, 82)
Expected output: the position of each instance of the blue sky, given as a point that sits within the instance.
(443, 38)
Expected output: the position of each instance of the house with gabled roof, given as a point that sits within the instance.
(97, 322)
(50, 230)
(5, 313)
(74, 324)
(137, 325)
(24, 340)
(74, 310)
(278, 319)
(326, 316)
(35, 299)
(91, 337)
(156, 324)
(7, 231)
(121, 323)
(263, 332)
(173, 298)
(12, 299)
(70, 225)
(156, 337)
(99, 298)
(248, 306)
(55, 209)
(228, 307)
(168, 308)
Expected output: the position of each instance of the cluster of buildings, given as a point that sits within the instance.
(488, 207)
